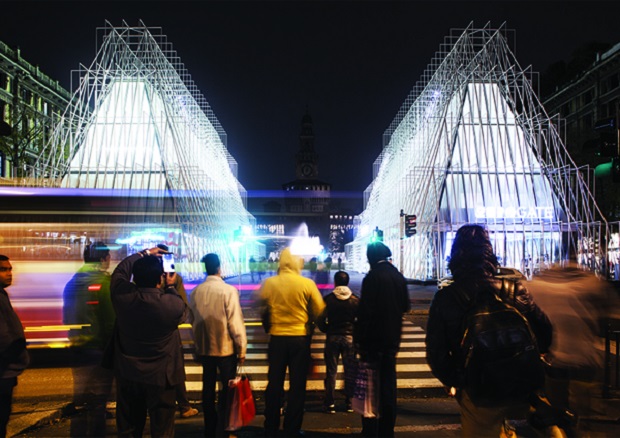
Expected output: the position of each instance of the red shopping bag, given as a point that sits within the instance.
(241, 409)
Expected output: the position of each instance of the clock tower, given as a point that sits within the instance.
(306, 158)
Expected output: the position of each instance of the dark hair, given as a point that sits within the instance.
(95, 252)
(212, 263)
(163, 246)
(376, 252)
(472, 257)
(341, 278)
(3, 258)
(147, 271)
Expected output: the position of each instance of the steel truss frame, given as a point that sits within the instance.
(473, 144)
(138, 126)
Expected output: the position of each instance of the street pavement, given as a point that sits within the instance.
(424, 409)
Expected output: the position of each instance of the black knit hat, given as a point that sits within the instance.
(377, 251)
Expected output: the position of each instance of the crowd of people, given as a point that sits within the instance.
(132, 318)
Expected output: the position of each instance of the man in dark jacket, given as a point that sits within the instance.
(148, 360)
(337, 322)
(13, 355)
(378, 330)
(474, 266)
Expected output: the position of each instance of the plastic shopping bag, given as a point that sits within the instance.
(365, 398)
(241, 409)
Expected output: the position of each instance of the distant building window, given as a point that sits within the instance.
(317, 208)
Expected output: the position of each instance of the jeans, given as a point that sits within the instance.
(336, 346)
(292, 352)
(227, 367)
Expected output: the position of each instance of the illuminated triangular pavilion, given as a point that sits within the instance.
(139, 127)
(473, 144)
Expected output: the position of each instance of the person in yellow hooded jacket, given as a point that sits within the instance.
(292, 303)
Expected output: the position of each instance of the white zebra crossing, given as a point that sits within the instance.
(412, 371)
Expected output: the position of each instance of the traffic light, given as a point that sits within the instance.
(377, 235)
(410, 224)
(608, 137)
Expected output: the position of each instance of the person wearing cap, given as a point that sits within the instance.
(377, 331)
(220, 340)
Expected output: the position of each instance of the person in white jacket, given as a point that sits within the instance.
(219, 337)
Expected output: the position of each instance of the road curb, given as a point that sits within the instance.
(21, 422)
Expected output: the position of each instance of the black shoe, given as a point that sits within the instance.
(331, 409)
(349, 407)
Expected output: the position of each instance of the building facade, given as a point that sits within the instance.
(588, 106)
(30, 104)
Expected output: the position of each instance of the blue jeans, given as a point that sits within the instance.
(335, 347)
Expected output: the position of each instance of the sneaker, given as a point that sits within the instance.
(349, 408)
(189, 413)
(331, 409)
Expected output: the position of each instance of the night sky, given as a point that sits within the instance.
(261, 64)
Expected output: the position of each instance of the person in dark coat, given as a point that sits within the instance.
(14, 357)
(377, 331)
(148, 361)
(337, 322)
(474, 267)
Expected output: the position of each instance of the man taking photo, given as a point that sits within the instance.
(148, 361)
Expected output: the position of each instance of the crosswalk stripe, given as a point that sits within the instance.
(321, 345)
(263, 356)
(412, 348)
(263, 369)
(317, 385)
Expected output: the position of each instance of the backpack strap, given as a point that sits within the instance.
(507, 293)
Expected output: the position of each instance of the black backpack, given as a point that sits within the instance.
(502, 363)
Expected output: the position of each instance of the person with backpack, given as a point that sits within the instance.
(484, 338)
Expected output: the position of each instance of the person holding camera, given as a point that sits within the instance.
(147, 356)
(185, 408)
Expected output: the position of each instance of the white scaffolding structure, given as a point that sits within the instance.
(139, 127)
(473, 144)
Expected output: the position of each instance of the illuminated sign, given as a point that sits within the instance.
(514, 212)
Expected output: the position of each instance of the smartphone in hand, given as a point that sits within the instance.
(168, 262)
